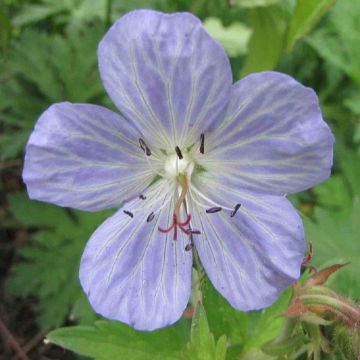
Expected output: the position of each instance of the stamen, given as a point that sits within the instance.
(153, 169)
(236, 208)
(144, 147)
(188, 247)
(153, 197)
(213, 210)
(178, 152)
(142, 197)
(150, 217)
(202, 143)
(129, 213)
(195, 232)
(200, 194)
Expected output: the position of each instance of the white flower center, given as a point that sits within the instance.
(174, 166)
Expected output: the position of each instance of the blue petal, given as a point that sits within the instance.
(250, 257)
(133, 273)
(84, 156)
(165, 73)
(272, 138)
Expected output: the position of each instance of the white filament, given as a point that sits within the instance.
(192, 188)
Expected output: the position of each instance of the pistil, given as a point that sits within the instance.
(181, 198)
(176, 216)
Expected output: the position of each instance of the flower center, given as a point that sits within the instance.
(174, 166)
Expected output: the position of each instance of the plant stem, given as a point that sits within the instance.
(108, 14)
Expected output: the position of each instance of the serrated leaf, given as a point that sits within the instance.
(338, 41)
(38, 214)
(202, 343)
(12, 142)
(43, 69)
(337, 240)
(334, 196)
(81, 312)
(108, 340)
(282, 348)
(349, 166)
(266, 42)
(223, 319)
(306, 15)
(353, 104)
(48, 266)
(244, 331)
(255, 355)
(234, 38)
(33, 12)
(266, 325)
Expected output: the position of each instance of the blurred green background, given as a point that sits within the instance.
(48, 55)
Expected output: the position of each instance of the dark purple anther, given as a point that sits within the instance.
(195, 232)
(150, 217)
(144, 147)
(202, 143)
(129, 213)
(236, 208)
(188, 247)
(178, 152)
(214, 210)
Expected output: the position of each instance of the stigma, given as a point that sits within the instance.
(176, 224)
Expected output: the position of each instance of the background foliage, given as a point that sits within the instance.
(48, 54)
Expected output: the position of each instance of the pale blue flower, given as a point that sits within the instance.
(194, 159)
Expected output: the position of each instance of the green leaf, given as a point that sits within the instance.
(221, 348)
(5, 30)
(224, 319)
(338, 41)
(255, 3)
(353, 103)
(33, 12)
(351, 172)
(11, 142)
(82, 312)
(245, 332)
(306, 15)
(49, 262)
(75, 13)
(337, 241)
(234, 38)
(266, 323)
(266, 42)
(38, 214)
(108, 340)
(284, 346)
(202, 344)
(63, 67)
(255, 355)
(334, 196)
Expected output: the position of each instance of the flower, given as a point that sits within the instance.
(194, 159)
